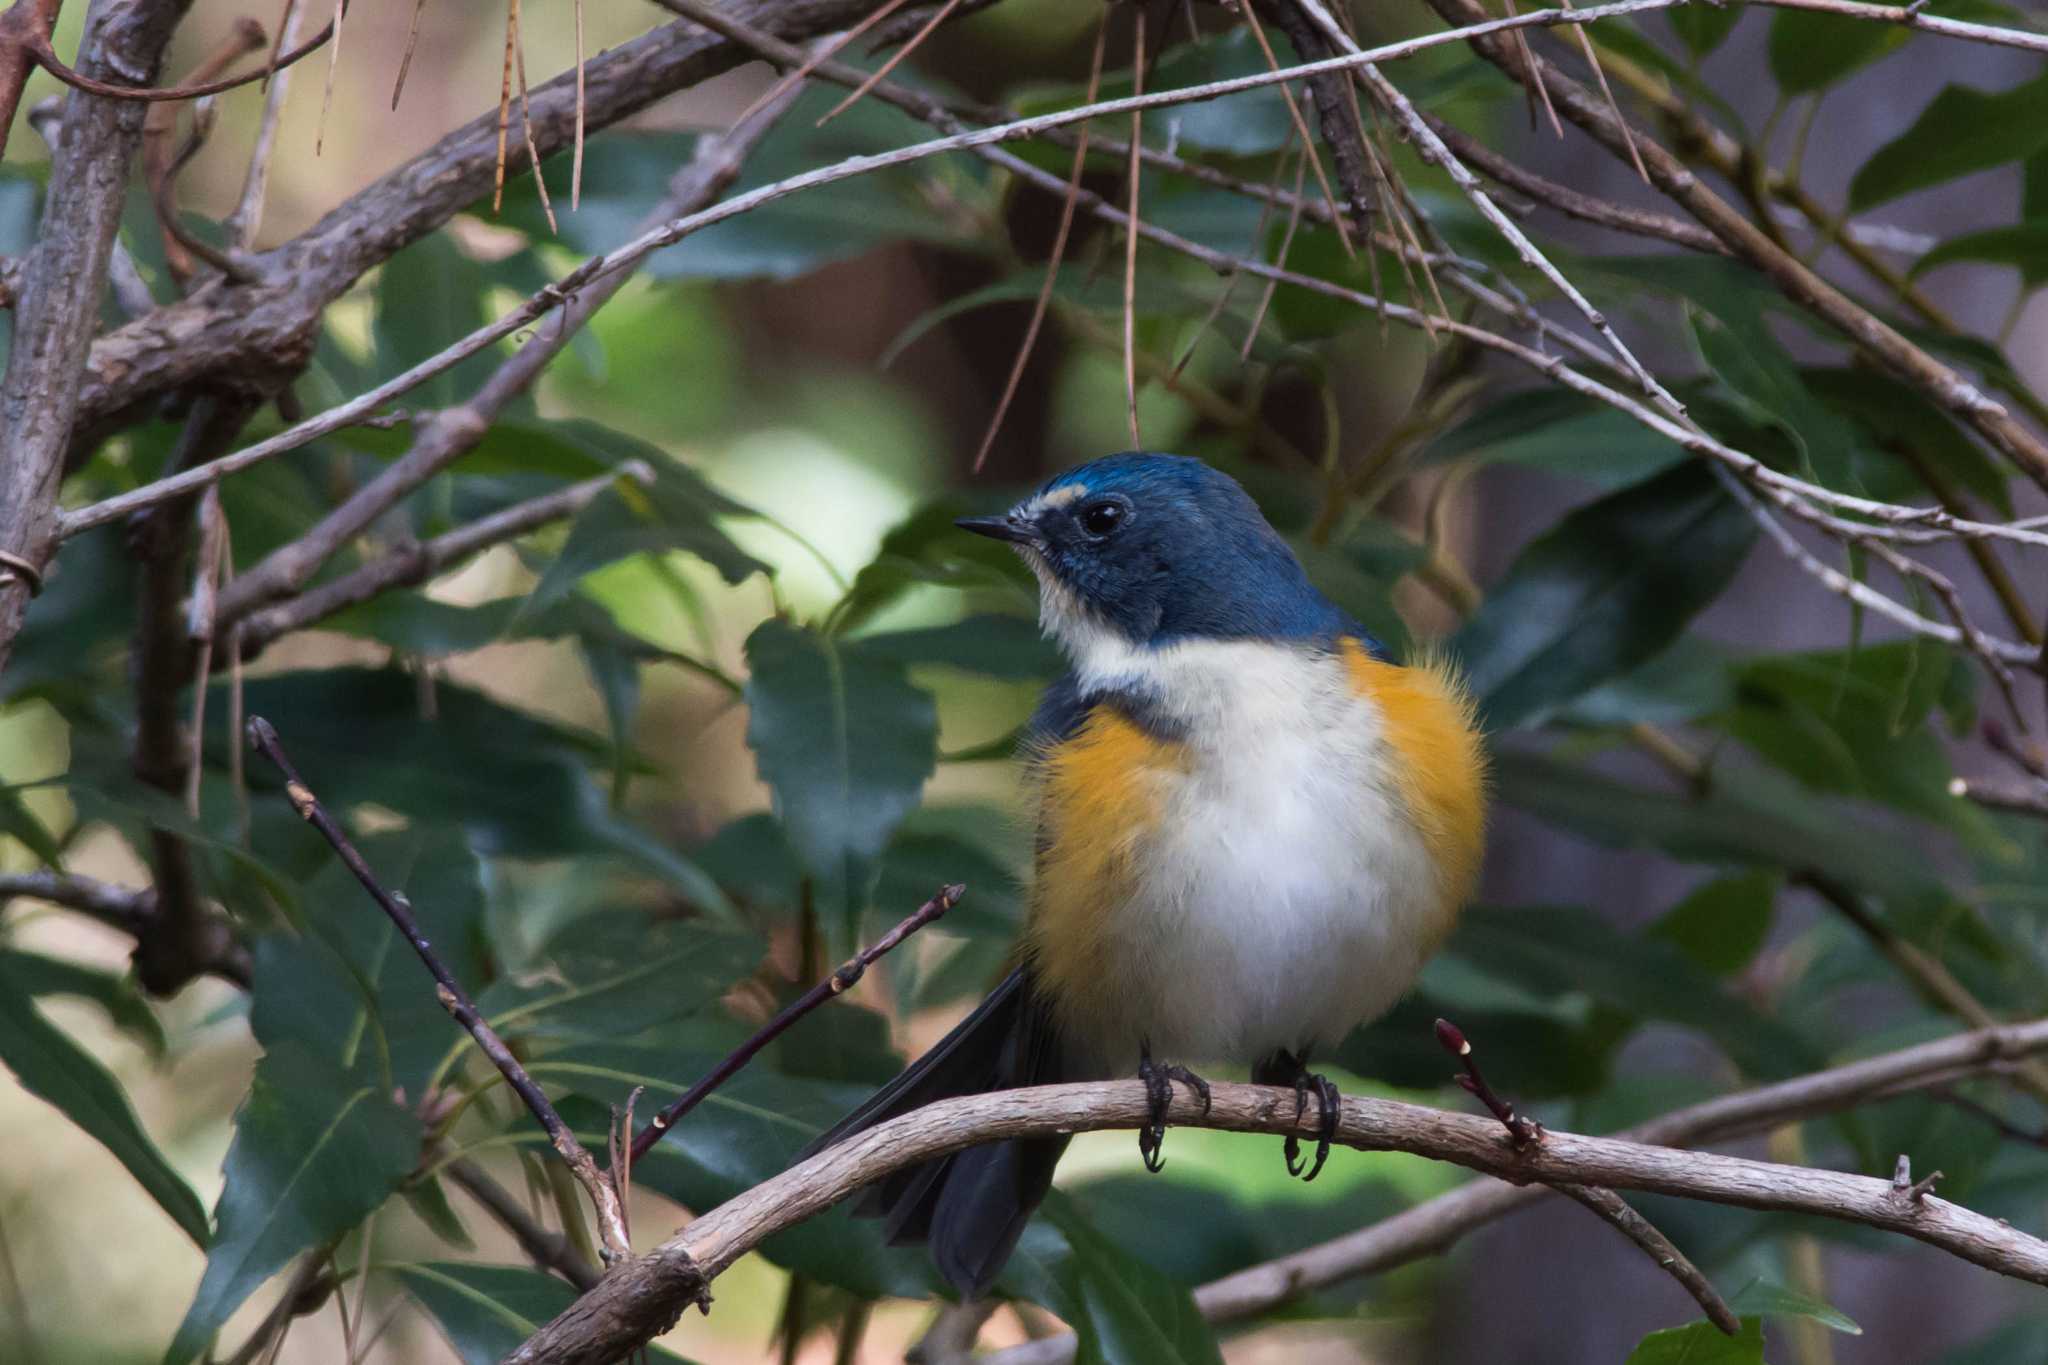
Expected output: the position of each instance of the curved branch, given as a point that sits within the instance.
(46, 57)
(641, 1297)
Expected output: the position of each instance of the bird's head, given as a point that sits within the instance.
(1136, 551)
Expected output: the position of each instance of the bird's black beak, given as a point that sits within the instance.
(1000, 528)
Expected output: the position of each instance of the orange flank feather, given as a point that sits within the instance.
(1098, 798)
(1439, 764)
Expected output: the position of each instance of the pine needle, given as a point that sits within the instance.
(1337, 215)
(526, 118)
(1131, 233)
(1286, 244)
(1059, 251)
(945, 12)
(333, 61)
(812, 62)
(576, 164)
(412, 39)
(505, 103)
(1599, 71)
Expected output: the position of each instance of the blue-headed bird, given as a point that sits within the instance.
(1253, 828)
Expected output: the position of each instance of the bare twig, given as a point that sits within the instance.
(627, 1308)
(1131, 232)
(1521, 1131)
(416, 563)
(1659, 1248)
(839, 982)
(603, 1197)
(23, 25)
(46, 58)
(548, 1250)
(247, 218)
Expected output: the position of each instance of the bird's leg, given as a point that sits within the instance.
(1159, 1078)
(1283, 1068)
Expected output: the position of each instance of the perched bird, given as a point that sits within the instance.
(1253, 829)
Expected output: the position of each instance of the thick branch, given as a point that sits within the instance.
(621, 1313)
(53, 326)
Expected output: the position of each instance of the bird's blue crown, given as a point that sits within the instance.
(1162, 548)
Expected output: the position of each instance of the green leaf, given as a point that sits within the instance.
(116, 994)
(314, 1153)
(429, 296)
(1702, 28)
(54, 1069)
(999, 646)
(1722, 925)
(845, 742)
(428, 1199)
(1749, 818)
(1761, 376)
(1961, 131)
(486, 1311)
(1761, 1298)
(518, 784)
(2024, 245)
(680, 511)
(1560, 431)
(1811, 51)
(1701, 1343)
(1123, 1311)
(617, 973)
(927, 549)
(352, 990)
(1555, 949)
(1608, 588)
(746, 1131)
(1904, 422)
(1688, 680)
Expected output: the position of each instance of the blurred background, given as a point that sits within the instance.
(821, 369)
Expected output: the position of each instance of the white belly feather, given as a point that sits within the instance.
(1285, 895)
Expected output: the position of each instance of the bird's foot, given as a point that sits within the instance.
(1326, 1125)
(1159, 1078)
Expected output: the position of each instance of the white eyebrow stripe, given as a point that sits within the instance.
(1052, 498)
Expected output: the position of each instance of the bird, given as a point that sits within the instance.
(1254, 827)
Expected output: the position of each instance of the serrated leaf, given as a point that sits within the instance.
(54, 1069)
(617, 973)
(1608, 588)
(1962, 130)
(1701, 1343)
(314, 1153)
(845, 742)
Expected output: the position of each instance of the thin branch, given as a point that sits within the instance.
(419, 562)
(1131, 232)
(1626, 1220)
(124, 908)
(242, 224)
(629, 1306)
(548, 1250)
(23, 25)
(603, 1196)
(46, 58)
(1574, 203)
(830, 988)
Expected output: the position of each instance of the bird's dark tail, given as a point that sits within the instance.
(971, 1207)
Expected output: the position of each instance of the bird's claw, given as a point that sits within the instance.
(1159, 1079)
(1326, 1124)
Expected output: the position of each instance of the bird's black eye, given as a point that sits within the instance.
(1102, 518)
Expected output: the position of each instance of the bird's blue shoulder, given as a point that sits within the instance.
(1065, 708)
